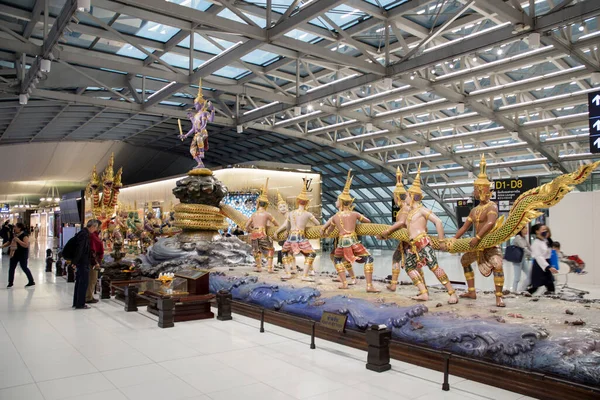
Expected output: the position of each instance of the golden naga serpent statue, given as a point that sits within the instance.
(524, 210)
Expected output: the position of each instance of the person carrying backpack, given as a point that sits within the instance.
(77, 250)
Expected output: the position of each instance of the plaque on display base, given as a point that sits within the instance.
(196, 303)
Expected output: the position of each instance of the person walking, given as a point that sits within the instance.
(20, 255)
(81, 263)
(6, 233)
(36, 231)
(521, 241)
(541, 270)
(96, 256)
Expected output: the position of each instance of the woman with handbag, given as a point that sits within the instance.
(541, 271)
(518, 255)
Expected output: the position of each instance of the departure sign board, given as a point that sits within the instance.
(463, 209)
(594, 117)
(506, 191)
(395, 211)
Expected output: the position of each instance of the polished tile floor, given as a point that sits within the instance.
(49, 351)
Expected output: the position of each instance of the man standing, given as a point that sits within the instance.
(6, 233)
(257, 226)
(296, 222)
(484, 218)
(349, 249)
(96, 256)
(81, 263)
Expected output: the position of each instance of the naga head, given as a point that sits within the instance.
(482, 190)
(117, 183)
(94, 180)
(415, 194)
(108, 175)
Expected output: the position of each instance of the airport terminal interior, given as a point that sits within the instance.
(299, 199)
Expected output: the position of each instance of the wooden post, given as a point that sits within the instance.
(446, 384)
(130, 293)
(166, 313)
(378, 353)
(224, 305)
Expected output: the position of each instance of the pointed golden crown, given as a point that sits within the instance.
(199, 98)
(482, 179)
(416, 185)
(263, 192)
(399, 185)
(108, 174)
(280, 199)
(345, 195)
(303, 196)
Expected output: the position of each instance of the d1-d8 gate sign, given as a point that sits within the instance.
(506, 191)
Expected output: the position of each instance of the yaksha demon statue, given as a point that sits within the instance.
(257, 226)
(349, 249)
(295, 223)
(204, 113)
(484, 218)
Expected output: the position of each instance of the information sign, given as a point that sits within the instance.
(463, 209)
(395, 211)
(337, 322)
(5, 208)
(594, 119)
(506, 191)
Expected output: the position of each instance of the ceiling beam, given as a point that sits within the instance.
(66, 13)
(306, 13)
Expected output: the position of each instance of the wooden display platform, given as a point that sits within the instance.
(528, 383)
(188, 308)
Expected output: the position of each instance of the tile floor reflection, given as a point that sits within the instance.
(51, 352)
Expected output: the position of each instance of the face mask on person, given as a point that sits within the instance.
(544, 234)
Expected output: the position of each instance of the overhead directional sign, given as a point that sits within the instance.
(594, 109)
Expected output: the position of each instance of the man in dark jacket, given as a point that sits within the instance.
(81, 263)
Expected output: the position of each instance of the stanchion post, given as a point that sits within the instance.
(378, 353)
(446, 384)
(130, 293)
(262, 320)
(105, 288)
(312, 337)
(224, 299)
(166, 313)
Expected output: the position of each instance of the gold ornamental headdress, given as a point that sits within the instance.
(199, 98)
(416, 186)
(303, 196)
(280, 199)
(482, 179)
(108, 174)
(118, 184)
(95, 180)
(399, 185)
(345, 195)
(263, 193)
